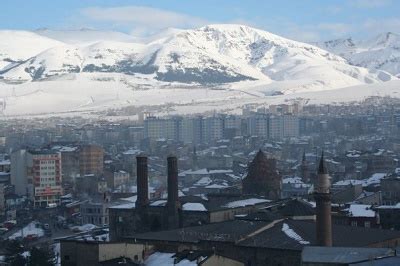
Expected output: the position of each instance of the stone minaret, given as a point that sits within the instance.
(173, 204)
(322, 197)
(194, 159)
(304, 169)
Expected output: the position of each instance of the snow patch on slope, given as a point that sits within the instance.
(292, 234)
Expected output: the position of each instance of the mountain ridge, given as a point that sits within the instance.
(214, 54)
(381, 52)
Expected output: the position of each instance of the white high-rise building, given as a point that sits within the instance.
(167, 128)
(258, 125)
(291, 126)
(213, 129)
(283, 126)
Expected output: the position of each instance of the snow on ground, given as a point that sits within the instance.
(292, 234)
(361, 210)
(86, 94)
(190, 206)
(158, 258)
(31, 229)
(246, 202)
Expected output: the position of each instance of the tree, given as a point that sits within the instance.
(41, 257)
(14, 251)
(16, 260)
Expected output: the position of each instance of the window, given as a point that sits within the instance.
(354, 223)
(367, 224)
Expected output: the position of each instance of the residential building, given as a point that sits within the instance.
(90, 159)
(37, 175)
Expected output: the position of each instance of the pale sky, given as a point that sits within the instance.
(303, 20)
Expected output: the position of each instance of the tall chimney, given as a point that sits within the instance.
(322, 197)
(173, 197)
(142, 182)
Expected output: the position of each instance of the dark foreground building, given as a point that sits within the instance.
(263, 243)
(146, 215)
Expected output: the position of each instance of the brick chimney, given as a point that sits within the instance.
(173, 203)
(322, 197)
(142, 182)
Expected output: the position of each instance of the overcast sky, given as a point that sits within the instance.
(304, 20)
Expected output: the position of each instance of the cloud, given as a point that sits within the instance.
(145, 21)
(369, 3)
(376, 26)
(141, 18)
(335, 29)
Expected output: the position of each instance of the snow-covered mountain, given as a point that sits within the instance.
(18, 46)
(212, 54)
(216, 66)
(381, 52)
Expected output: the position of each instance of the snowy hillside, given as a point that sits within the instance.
(214, 67)
(212, 54)
(95, 94)
(381, 52)
(17, 46)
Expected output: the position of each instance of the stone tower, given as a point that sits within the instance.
(142, 201)
(322, 197)
(262, 178)
(304, 169)
(173, 203)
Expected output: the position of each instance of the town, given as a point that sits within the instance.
(271, 186)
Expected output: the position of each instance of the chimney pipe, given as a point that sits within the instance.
(142, 181)
(173, 203)
(172, 181)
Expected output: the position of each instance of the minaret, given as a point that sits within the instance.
(304, 169)
(194, 159)
(322, 197)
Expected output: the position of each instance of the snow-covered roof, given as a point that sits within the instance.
(158, 258)
(360, 210)
(216, 186)
(132, 152)
(292, 180)
(31, 229)
(245, 202)
(397, 206)
(193, 206)
(130, 199)
(130, 205)
(204, 181)
(374, 179)
(64, 148)
(5, 162)
(159, 203)
(85, 227)
(292, 234)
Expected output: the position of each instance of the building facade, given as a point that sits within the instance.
(37, 175)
